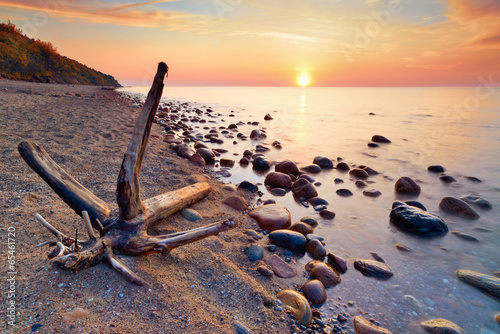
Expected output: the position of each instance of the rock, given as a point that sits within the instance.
(363, 326)
(464, 236)
(361, 184)
(244, 161)
(206, 154)
(416, 204)
(338, 180)
(268, 117)
(185, 151)
(171, 139)
(280, 267)
(473, 179)
(323, 162)
(226, 162)
(272, 217)
(489, 284)
(265, 271)
(312, 236)
(372, 268)
(276, 144)
(316, 249)
(416, 221)
(302, 228)
(278, 191)
(327, 214)
(230, 187)
(325, 273)
(309, 220)
(297, 305)
(255, 134)
(477, 201)
(238, 203)
(372, 193)
(312, 168)
(344, 192)
(458, 208)
(261, 163)
(370, 171)
(191, 215)
(447, 179)
(317, 201)
(248, 186)
(380, 139)
(287, 239)
(307, 177)
(287, 167)
(278, 180)
(254, 252)
(358, 173)
(497, 318)
(35, 327)
(197, 160)
(406, 185)
(402, 247)
(314, 291)
(337, 262)
(436, 169)
(240, 328)
(343, 166)
(441, 326)
(377, 257)
(269, 201)
(261, 148)
(373, 145)
(222, 173)
(303, 189)
(74, 314)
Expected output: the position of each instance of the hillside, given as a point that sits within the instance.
(24, 58)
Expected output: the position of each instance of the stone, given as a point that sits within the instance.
(405, 185)
(244, 161)
(338, 180)
(363, 326)
(372, 193)
(316, 249)
(287, 239)
(278, 192)
(359, 173)
(325, 273)
(416, 221)
(476, 201)
(441, 326)
(473, 179)
(269, 201)
(280, 267)
(265, 271)
(436, 169)
(447, 179)
(278, 180)
(272, 217)
(185, 151)
(236, 202)
(314, 291)
(361, 184)
(304, 189)
(261, 163)
(230, 187)
(497, 318)
(489, 284)
(255, 134)
(372, 268)
(380, 139)
(74, 314)
(373, 145)
(312, 236)
(312, 168)
(254, 252)
(344, 192)
(377, 257)
(464, 236)
(309, 220)
(402, 247)
(170, 139)
(276, 144)
(416, 204)
(337, 262)
(327, 214)
(287, 167)
(317, 201)
(268, 117)
(226, 162)
(323, 162)
(302, 228)
(191, 215)
(207, 154)
(240, 328)
(370, 171)
(457, 207)
(343, 166)
(197, 160)
(248, 186)
(307, 177)
(297, 305)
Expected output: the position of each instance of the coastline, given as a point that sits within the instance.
(202, 287)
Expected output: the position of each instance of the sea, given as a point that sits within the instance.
(455, 127)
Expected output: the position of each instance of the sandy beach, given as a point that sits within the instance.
(203, 287)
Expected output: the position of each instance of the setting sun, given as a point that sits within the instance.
(303, 79)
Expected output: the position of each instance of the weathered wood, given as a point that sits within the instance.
(66, 187)
(127, 192)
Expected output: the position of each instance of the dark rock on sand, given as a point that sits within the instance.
(197, 160)
(489, 284)
(406, 185)
(416, 204)
(314, 291)
(236, 202)
(402, 247)
(244, 161)
(312, 236)
(464, 236)
(458, 208)
(361, 184)
(307, 177)
(316, 249)
(323, 162)
(226, 162)
(441, 326)
(248, 186)
(272, 217)
(343, 166)
(337, 262)
(372, 268)
(185, 151)
(363, 326)
(301, 227)
(377, 257)
(255, 134)
(436, 169)
(265, 271)
(254, 252)
(279, 180)
(280, 267)
(473, 179)
(447, 179)
(344, 192)
(287, 239)
(359, 173)
(327, 214)
(312, 168)
(338, 180)
(416, 221)
(261, 163)
(477, 201)
(309, 220)
(372, 193)
(380, 139)
(303, 189)
(317, 201)
(278, 192)
(325, 273)
(373, 145)
(370, 171)
(206, 154)
(287, 167)
(268, 117)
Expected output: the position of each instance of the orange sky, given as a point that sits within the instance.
(269, 42)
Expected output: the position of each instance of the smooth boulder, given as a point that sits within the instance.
(406, 185)
(314, 291)
(287, 167)
(457, 207)
(278, 180)
(363, 326)
(380, 139)
(297, 305)
(323, 162)
(303, 189)
(280, 267)
(476, 201)
(272, 217)
(372, 268)
(325, 273)
(414, 220)
(287, 239)
(487, 283)
(441, 326)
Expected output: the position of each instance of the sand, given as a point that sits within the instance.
(199, 288)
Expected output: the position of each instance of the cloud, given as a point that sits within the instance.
(439, 67)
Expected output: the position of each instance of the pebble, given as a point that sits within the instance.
(287, 167)
(280, 267)
(363, 326)
(301, 227)
(36, 327)
(261, 163)
(361, 184)
(323, 162)
(268, 117)
(436, 169)
(338, 180)
(254, 252)
(248, 186)
(325, 273)
(359, 173)
(344, 192)
(343, 166)
(191, 215)
(337, 262)
(265, 271)
(380, 139)
(197, 160)
(406, 185)
(316, 249)
(272, 217)
(489, 284)
(314, 291)
(240, 328)
(279, 180)
(464, 236)
(309, 220)
(402, 247)
(303, 189)
(372, 193)
(312, 168)
(373, 145)
(447, 178)
(416, 221)
(441, 326)
(230, 187)
(287, 239)
(236, 202)
(327, 214)
(497, 318)
(280, 192)
(477, 201)
(226, 162)
(297, 305)
(458, 207)
(253, 234)
(373, 268)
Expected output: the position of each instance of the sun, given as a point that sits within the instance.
(303, 79)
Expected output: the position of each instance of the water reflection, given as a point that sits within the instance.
(303, 104)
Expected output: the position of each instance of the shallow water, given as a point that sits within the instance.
(458, 128)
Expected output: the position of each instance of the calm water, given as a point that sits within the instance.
(427, 126)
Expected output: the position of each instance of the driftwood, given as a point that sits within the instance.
(124, 229)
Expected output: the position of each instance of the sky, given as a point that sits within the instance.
(273, 42)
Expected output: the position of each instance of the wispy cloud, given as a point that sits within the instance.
(439, 67)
